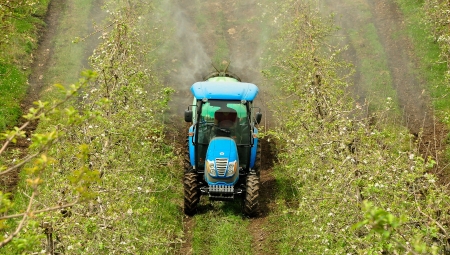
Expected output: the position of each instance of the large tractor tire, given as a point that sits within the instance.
(186, 158)
(191, 193)
(257, 166)
(251, 201)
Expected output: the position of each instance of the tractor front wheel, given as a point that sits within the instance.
(191, 193)
(251, 201)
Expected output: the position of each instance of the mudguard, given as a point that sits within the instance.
(222, 151)
(191, 146)
(254, 149)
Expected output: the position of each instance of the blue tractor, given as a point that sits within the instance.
(223, 154)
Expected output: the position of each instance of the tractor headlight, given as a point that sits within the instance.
(232, 167)
(210, 168)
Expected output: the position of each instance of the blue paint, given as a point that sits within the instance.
(254, 149)
(224, 90)
(222, 148)
(191, 146)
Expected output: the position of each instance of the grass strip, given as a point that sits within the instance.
(221, 230)
(70, 54)
(427, 51)
(20, 33)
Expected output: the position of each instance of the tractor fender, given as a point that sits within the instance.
(191, 145)
(254, 148)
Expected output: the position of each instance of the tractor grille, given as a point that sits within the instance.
(221, 166)
(221, 192)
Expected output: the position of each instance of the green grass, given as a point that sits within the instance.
(431, 67)
(201, 20)
(372, 84)
(375, 82)
(222, 50)
(373, 67)
(66, 63)
(13, 87)
(15, 60)
(221, 230)
(69, 58)
(221, 54)
(427, 51)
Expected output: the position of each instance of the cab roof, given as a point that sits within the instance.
(224, 90)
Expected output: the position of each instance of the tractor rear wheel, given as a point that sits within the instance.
(191, 193)
(251, 201)
(257, 166)
(186, 158)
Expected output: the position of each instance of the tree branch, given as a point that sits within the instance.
(28, 158)
(430, 218)
(22, 222)
(40, 211)
(38, 115)
(12, 137)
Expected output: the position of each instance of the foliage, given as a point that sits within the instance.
(338, 168)
(37, 162)
(136, 194)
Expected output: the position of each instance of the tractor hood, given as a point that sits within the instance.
(224, 90)
(222, 162)
(222, 147)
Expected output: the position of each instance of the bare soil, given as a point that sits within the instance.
(258, 225)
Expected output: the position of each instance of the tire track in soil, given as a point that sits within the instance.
(257, 226)
(186, 247)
